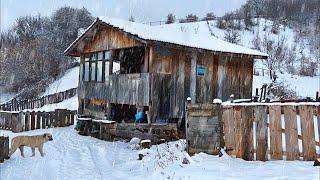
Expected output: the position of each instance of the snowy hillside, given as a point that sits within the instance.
(71, 156)
(262, 28)
(69, 80)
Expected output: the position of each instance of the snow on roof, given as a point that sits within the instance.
(179, 34)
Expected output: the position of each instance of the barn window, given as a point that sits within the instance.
(96, 67)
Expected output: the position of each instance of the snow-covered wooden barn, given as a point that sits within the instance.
(127, 66)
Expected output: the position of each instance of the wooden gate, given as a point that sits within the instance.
(204, 128)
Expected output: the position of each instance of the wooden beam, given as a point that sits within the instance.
(146, 60)
(193, 77)
(111, 62)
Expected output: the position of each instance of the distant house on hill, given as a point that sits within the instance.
(127, 66)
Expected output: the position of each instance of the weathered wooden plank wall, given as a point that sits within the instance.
(234, 76)
(109, 38)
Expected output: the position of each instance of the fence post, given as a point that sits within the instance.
(27, 121)
(72, 113)
(38, 120)
(4, 148)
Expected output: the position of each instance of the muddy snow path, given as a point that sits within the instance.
(71, 156)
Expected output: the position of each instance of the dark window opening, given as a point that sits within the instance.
(131, 60)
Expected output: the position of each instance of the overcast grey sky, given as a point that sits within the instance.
(142, 10)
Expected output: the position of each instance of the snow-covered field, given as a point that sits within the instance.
(71, 156)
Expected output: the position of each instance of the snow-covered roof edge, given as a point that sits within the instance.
(79, 37)
(141, 31)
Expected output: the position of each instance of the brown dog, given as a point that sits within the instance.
(30, 141)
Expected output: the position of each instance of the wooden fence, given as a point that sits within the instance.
(18, 105)
(271, 131)
(25, 121)
(4, 148)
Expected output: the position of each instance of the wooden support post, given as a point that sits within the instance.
(146, 60)
(193, 77)
(111, 62)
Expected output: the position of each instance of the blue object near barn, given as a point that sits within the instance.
(139, 117)
(201, 70)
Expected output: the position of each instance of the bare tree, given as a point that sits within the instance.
(131, 18)
(209, 17)
(277, 52)
(170, 19)
(232, 36)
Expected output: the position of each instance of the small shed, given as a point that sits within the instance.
(127, 67)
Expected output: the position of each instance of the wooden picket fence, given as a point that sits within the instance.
(272, 132)
(19, 105)
(4, 148)
(25, 121)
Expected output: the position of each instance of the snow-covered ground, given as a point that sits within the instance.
(67, 81)
(71, 156)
